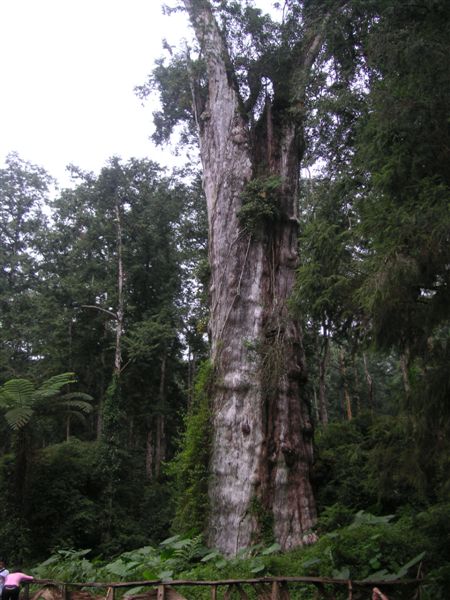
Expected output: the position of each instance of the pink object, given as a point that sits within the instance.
(17, 578)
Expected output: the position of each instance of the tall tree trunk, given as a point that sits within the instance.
(160, 449)
(316, 405)
(323, 363)
(261, 447)
(120, 297)
(347, 397)
(149, 455)
(369, 380)
(404, 367)
(356, 394)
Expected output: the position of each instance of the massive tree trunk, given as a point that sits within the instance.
(262, 446)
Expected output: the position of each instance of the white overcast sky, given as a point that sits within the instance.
(67, 73)
(68, 69)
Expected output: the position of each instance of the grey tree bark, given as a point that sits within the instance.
(323, 364)
(262, 434)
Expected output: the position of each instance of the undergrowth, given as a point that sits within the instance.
(372, 547)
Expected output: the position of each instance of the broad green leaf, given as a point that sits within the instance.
(170, 541)
(271, 549)
(136, 590)
(311, 562)
(220, 564)
(211, 556)
(343, 573)
(257, 567)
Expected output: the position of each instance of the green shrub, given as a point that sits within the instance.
(190, 467)
(260, 204)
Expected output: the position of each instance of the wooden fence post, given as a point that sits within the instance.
(350, 590)
(161, 592)
(111, 593)
(275, 591)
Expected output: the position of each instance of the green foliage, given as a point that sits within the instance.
(22, 399)
(64, 481)
(112, 457)
(260, 204)
(71, 291)
(403, 143)
(372, 462)
(173, 83)
(150, 338)
(67, 565)
(264, 518)
(328, 273)
(172, 556)
(341, 465)
(16, 535)
(190, 467)
(369, 547)
(24, 189)
(333, 517)
(434, 525)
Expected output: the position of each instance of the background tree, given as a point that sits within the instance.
(403, 151)
(24, 190)
(326, 278)
(74, 280)
(26, 407)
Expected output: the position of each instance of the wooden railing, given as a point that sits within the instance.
(265, 588)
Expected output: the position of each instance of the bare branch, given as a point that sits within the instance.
(95, 307)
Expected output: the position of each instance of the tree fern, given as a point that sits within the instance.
(19, 417)
(53, 386)
(22, 400)
(16, 391)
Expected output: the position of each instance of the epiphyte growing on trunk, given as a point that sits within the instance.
(260, 204)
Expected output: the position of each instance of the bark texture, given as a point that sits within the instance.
(323, 364)
(262, 446)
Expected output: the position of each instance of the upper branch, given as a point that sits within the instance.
(219, 67)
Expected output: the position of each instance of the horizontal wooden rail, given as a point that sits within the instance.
(219, 582)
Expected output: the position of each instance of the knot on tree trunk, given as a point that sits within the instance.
(290, 454)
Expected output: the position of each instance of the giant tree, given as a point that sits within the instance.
(247, 104)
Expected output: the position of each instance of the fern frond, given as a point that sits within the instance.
(16, 391)
(189, 549)
(77, 396)
(18, 417)
(76, 405)
(53, 385)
